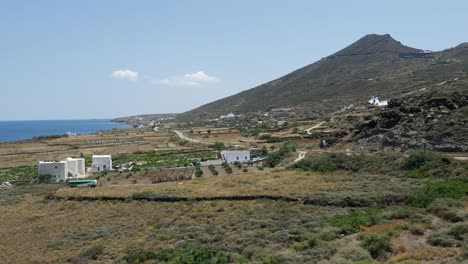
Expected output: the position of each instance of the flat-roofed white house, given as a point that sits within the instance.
(101, 163)
(69, 168)
(233, 156)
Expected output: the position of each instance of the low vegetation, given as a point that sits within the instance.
(274, 158)
(18, 173)
(164, 158)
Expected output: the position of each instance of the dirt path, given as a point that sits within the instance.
(182, 136)
(301, 156)
(314, 127)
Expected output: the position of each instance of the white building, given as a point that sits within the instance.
(101, 163)
(69, 168)
(374, 101)
(233, 156)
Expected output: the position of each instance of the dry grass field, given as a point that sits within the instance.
(285, 183)
(39, 230)
(28, 152)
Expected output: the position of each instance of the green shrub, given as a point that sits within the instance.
(92, 252)
(330, 233)
(416, 173)
(271, 258)
(423, 164)
(453, 188)
(198, 171)
(298, 246)
(459, 231)
(352, 222)
(400, 213)
(139, 255)
(443, 208)
(376, 244)
(218, 146)
(142, 195)
(260, 168)
(193, 254)
(275, 158)
(416, 230)
(351, 254)
(274, 140)
(245, 170)
(441, 238)
(418, 158)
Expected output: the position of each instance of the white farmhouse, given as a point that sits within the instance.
(233, 156)
(101, 163)
(63, 170)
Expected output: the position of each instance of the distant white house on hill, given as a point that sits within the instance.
(374, 101)
(233, 156)
(63, 170)
(101, 163)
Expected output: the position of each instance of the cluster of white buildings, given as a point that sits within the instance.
(73, 168)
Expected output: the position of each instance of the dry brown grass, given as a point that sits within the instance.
(28, 152)
(287, 183)
(383, 228)
(427, 253)
(41, 231)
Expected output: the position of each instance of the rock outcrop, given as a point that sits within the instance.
(435, 121)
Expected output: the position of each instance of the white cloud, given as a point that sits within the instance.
(190, 79)
(128, 75)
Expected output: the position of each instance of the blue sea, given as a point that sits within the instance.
(20, 130)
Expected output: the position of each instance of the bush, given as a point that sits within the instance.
(198, 171)
(245, 170)
(416, 159)
(275, 158)
(260, 168)
(142, 195)
(376, 244)
(352, 222)
(459, 231)
(238, 164)
(351, 254)
(92, 252)
(442, 208)
(274, 140)
(213, 170)
(416, 230)
(453, 188)
(139, 255)
(442, 239)
(423, 164)
(400, 213)
(271, 258)
(218, 146)
(193, 254)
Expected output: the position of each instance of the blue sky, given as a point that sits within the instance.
(102, 59)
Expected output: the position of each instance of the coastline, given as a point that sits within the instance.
(24, 130)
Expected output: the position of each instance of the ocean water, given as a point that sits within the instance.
(20, 130)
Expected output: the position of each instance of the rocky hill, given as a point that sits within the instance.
(374, 65)
(434, 119)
